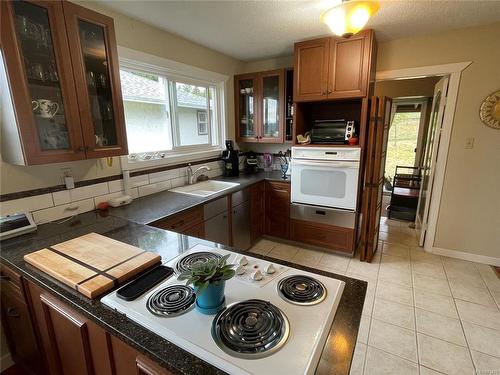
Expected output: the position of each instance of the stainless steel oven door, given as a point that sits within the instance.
(325, 183)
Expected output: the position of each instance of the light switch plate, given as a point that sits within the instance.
(469, 142)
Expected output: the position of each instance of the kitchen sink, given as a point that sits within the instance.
(205, 188)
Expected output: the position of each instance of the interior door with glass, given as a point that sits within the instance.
(95, 64)
(430, 157)
(246, 110)
(36, 56)
(272, 106)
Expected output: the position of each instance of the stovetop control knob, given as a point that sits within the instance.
(240, 270)
(243, 261)
(270, 269)
(256, 276)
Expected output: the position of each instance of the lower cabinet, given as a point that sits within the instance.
(189, 222)
(217, 221)
(257, 210)
(277, 223)
(322, 235)
(240, 219)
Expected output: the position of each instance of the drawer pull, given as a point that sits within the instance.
(11, 312)
(319, 212)
(6, 278)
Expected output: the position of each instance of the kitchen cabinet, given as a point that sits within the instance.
(189, 222)
(217, 221)
(277, 209)
(333, 68)
(257, 211)
(260, 106)
(60, 84)
(322, 235)
(17, 325)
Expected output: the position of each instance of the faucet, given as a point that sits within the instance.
(192, 175)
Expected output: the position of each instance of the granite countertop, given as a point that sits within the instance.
(337, 353)
(157, 206)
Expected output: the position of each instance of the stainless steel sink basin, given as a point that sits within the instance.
(205, 188)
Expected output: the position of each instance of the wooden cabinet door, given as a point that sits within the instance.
(246, 97)
(272, 106)
(41, 83)
(257, 211)
(147, 367)
(349, 62)
(97, 77)
(277, 209)
(311, 70)
(16, 321)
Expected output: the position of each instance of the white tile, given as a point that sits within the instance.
(163, 175)
(107, 197)
(30, 204)
(394, 292)
(496, 297)
(399, 276)
(479, 314)
(396, 249)
(334, 262)
(462, 290)
(358, 359)
(59, 212)
(394, 313)
(154, 188)
(444, 356)
(482, 339)
(472, 279)
(61, 197)
(440, 326)
(179, 181)
(431, 284)
(364, 268)
(489, 276)
(364, 329)
(429, 269)
(284, 252)
(115, 185)
(307, 257)
(264, 244)
(436, 303)
(379, 362)
(395, 262)
(140, 180)
(428, 371)
(485, 364)
(393, 339)
(418, 254)
(89, 191)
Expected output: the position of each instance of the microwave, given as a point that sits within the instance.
(332, 131)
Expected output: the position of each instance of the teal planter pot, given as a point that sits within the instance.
(211, 300)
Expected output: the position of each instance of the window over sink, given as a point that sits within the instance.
(170, 116)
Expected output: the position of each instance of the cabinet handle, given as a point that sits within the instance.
(6, 278)
(11, 312)
(330, 91)
(80, 149)
(323, 93)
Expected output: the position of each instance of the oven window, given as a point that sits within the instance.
(331, 184)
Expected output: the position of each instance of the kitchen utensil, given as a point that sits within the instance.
(92, 264)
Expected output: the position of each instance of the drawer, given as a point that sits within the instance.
(323, 235)
(324, 215)
(10, 278)
(215, 208)
(182, 221)
(280, 187)
(240, 197)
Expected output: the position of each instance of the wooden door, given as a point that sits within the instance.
(257, 211)
(378, 131)
(310, 81)
(246, 97)
(349, 65)
(97, 77)
(38, 64)
(278, 209)
(271, 106)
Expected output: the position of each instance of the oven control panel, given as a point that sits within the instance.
(327, 153)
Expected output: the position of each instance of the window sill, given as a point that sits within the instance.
(179, 157)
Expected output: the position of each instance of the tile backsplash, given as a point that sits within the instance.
(62, 204)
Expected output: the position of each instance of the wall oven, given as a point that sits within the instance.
(325, 176)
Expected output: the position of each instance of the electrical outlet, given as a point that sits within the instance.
(469, 142)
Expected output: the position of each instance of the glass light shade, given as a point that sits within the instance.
(349, 17)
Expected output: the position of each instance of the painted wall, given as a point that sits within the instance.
(139, 36)
(406, 87)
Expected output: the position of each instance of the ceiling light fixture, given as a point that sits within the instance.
(349, 17)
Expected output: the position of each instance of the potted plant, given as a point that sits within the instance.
(209, 280)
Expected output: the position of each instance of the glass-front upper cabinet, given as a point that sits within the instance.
(36, 58)
(259, 106)
(246, 114)
(95, 65)
(272, 102)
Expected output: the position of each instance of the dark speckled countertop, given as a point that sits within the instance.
(337, 353)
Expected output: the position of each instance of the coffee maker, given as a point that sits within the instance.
(231, 160)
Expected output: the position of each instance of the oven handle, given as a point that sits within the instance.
(329, 163)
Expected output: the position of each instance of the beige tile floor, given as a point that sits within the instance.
(423, 314)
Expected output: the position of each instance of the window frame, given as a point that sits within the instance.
(183, 73)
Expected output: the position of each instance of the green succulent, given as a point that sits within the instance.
(210, 272)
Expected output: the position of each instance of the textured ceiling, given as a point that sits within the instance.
(252, 30)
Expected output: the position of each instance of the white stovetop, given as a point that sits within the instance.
(309, 325)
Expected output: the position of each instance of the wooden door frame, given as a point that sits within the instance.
(454, 71)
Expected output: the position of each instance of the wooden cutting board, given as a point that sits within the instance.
(92, 264)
